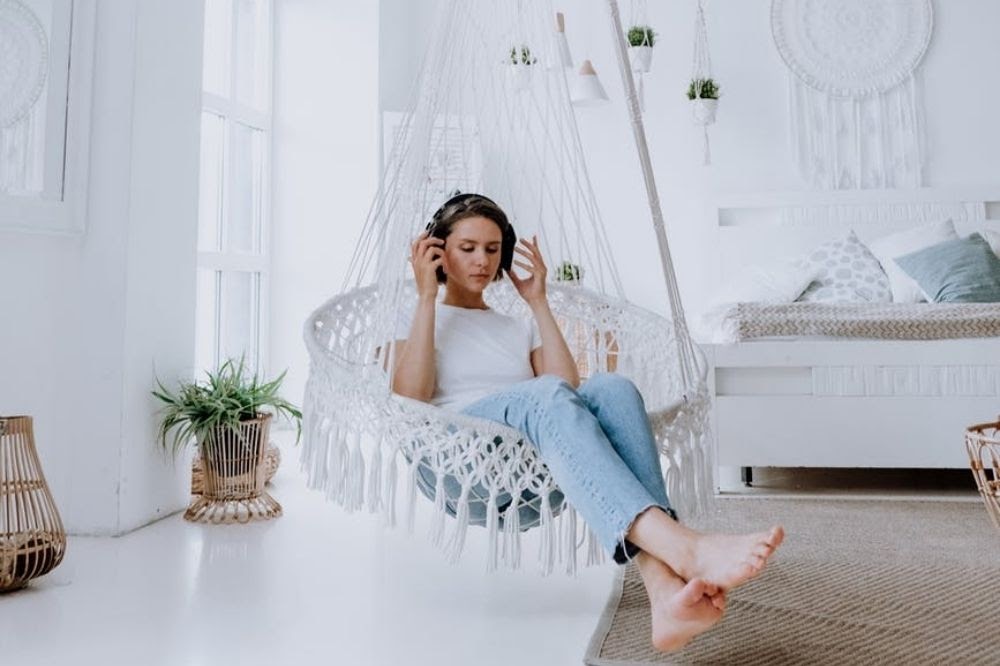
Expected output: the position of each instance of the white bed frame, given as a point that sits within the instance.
(846, 403)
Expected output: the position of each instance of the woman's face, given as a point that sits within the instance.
(472, 253)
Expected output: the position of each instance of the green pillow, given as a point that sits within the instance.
(963, 270)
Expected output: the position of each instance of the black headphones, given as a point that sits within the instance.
(462, 202)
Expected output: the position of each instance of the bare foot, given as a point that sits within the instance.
(681, 613)
(728, 560)
(722, 560)
(680, 610)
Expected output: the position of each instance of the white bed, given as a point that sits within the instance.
(833, 402)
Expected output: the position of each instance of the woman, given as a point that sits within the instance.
(594, 437)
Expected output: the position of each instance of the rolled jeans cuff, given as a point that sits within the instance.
(626, 551)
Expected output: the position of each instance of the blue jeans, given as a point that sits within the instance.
(597, 443)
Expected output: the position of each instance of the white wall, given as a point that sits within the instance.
(161, 252)
(750, 146)
(325, 161)
(87, 318)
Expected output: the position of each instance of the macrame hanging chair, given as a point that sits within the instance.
(482, 120)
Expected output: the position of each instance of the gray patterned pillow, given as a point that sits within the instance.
(848, 273)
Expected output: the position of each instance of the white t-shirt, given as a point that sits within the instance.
(477, 352)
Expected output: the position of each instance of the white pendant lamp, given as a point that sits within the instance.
(586, 88)
(565, 58)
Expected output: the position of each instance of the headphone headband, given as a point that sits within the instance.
(457, 199)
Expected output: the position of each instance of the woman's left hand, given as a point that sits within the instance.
(531, 288)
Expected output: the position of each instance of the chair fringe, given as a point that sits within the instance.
(569, 538)
(547, 554)
(492, 530)
(595, 554)
(512, 534)
(374, 498)
(389, 491)
(457, 543)
(411, 494)
(356, 478)
(437, 528)
(333, 483)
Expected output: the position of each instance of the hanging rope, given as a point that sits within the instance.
(702, 86)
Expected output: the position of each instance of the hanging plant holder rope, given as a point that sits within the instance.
(703, 92)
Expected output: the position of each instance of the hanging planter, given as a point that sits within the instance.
(641, 39)
(521, 66)
(703, 91)
(569, 273)
(704, 96)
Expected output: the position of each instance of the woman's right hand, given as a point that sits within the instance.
(426, 254)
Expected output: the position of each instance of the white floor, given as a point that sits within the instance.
(318, 586)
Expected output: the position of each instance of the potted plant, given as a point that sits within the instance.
(704, 96)
(569, 272)
(228, 416)
(521, 60)
(641, 39)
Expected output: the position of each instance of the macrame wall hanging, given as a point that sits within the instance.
(703, 91)
(854, 100)
(23, 71)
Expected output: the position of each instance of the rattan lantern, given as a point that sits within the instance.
(234, 474)
(32, 538)
(983, 445)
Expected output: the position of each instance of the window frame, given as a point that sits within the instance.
(220, 260)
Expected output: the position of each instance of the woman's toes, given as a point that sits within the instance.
(693, 592)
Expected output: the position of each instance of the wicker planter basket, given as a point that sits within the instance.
(234, 474)
(272, 460)
(983, 445)
(32, 538)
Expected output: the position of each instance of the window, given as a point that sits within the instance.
(234, 200)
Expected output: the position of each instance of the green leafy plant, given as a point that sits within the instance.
(227, 397)
(526, 57)
(641, 35)
(703, 89)
(568, 272)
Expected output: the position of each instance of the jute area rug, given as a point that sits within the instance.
(856, 582)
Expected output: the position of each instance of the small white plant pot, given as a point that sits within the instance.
(520, 76)
(703, 110)
(641, 58)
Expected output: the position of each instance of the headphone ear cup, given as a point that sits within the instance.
(507, 254)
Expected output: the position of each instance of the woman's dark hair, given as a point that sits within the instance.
(464, 206)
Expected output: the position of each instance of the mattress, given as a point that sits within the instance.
(880, 321)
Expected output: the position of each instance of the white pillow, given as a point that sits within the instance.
(848, 273)
(887, 248)
(781, 283)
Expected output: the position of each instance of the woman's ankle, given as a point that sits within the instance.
(660, 536)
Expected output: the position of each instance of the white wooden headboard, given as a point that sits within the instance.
(766, 228)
